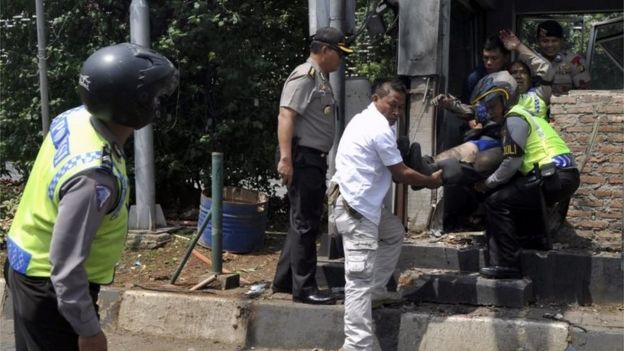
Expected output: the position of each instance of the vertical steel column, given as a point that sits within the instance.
(217, 210)
(145, 211)
(337, 81)
(43, 67)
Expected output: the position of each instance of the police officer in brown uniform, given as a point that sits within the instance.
(570, 70)
(305, 131)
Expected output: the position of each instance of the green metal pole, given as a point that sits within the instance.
(190, 248)
(217, 210)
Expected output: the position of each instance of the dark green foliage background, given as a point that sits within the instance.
(233, 57)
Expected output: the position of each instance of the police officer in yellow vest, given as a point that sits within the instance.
(532, 150)
(70, 227)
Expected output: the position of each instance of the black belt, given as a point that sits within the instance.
(352, 212)
(309, 150)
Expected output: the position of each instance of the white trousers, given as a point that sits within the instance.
(371, 254)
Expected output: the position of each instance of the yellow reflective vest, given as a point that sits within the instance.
(72, 146)
(543, 142)
(534, 104)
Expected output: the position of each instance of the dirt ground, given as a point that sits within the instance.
(153, 268)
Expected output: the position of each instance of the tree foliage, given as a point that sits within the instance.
(232, 56)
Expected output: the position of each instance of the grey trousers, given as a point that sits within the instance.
(371, 255)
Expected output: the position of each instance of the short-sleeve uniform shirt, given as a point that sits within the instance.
(570, 73)
(308, 92)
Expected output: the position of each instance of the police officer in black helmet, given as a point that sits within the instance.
(70, 227)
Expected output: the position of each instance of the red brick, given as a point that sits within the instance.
(583, 190)
(592, 179)
(556, 110)
(616, 180)
(579, 213)
(589, 202)
(617, 159)
(611, 215)
(581, 108)
(564, 99)
(587, 119)
(594, 98)
(603, 193)
(609, 148)
(611, 127)
(609, 108)
(579, 129)
(616, 204)
(615, 118)
(611, 169)
(598, 224)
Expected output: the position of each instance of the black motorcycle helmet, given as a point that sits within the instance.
(123, 83)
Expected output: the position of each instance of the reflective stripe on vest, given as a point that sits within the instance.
(532, 103)
(71, 147)
(543, 142)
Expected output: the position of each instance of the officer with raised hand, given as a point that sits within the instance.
(70, 227)
(305, 132)
(570, 70)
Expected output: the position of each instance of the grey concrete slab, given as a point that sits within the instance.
(424, 332)
(468, 259)
(596, 339)
(582, 278)
(472, 289)
(108, 302)
(288, 325)
(218, 319)
(562, 277)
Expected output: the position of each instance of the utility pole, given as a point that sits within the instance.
(43, 67)
(146, 214)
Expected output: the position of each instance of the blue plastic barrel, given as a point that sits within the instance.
(244, 220)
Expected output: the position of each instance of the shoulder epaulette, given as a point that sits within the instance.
(312, 72)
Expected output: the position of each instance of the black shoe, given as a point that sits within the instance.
(500, 272)
(280, 290)
(317, 298)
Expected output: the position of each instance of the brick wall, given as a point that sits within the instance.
(596, 210)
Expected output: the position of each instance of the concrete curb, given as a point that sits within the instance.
(421, 331)
(269, 323)
(185, 316)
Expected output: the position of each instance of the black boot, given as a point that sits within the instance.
(421, 164)
(403, 144)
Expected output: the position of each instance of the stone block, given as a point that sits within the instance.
(472, 289)
(228, 281)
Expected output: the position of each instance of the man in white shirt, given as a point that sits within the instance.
(366, 162)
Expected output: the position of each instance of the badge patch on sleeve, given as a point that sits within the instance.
(102, 194)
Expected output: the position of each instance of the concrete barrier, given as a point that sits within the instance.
(281, 324)
(185, 316)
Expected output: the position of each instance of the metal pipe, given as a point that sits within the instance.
(217, 210)
(190, 248)
(43, 67)
(144, 137)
